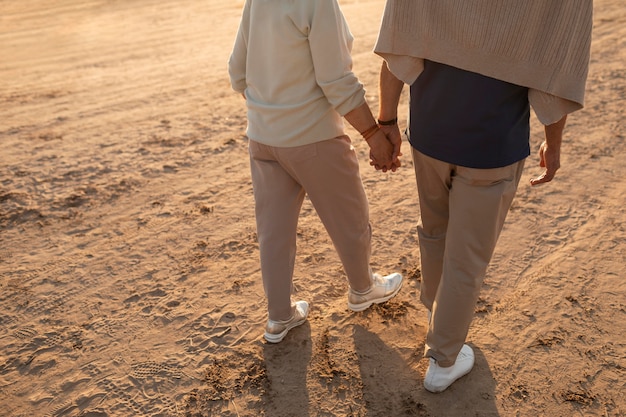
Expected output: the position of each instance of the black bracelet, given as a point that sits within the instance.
(388, 122)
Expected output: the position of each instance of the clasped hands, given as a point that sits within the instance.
(385, 148)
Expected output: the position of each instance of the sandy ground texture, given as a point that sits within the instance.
(129, 275)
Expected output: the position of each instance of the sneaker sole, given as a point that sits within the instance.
(276, 338)
(365, 306)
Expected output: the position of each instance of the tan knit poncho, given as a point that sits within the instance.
(540, 44)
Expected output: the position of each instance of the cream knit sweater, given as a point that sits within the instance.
(292, 61)
(540, 44)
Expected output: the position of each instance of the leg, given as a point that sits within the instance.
(332, 181)
(479, 202)
(278, 199)
(433, 179)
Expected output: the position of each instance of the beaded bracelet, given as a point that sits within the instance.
(370, 132)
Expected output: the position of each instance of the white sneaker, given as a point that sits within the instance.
(382, 289)
(437, 378)
(275, 331)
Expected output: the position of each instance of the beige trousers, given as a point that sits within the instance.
(328, 172)
(462, 214)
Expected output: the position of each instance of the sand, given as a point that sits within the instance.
(129, 274)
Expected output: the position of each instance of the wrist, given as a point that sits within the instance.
(371, 131)
(388, 122)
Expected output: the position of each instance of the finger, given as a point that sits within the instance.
(542, 158)
(542, 179)
(538, 180)
(396, 153)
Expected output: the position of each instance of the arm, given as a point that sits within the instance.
(550, 152)
(389, 91)
(330, 42)
(237, 59)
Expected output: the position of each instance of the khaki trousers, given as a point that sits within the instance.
(462, 214)
(328, 172)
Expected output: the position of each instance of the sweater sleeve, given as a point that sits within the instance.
(237, 60)
(550, 108)
(331, 44)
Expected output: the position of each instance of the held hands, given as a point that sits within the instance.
(385, 148)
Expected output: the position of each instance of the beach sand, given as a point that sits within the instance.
(129, 273)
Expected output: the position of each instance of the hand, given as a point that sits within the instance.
(550, 151)
(550, 159)
(382, 152)
(394, 136)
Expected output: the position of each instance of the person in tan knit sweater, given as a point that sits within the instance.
(475, 70)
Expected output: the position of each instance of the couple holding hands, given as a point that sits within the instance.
(474, 70)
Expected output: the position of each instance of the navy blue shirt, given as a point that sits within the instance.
(464, 118)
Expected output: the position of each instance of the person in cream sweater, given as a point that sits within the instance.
(291, 61)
